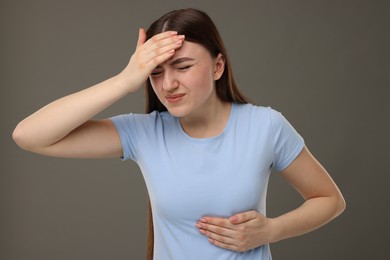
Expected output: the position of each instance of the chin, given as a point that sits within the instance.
(177, 111)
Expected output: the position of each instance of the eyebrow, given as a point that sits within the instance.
(178, 60)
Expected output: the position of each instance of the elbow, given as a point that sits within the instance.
(29, 140)
(340, 205)
(18, 137)
(21, 138)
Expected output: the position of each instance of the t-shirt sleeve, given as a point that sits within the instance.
(128, 135)
(287, 142)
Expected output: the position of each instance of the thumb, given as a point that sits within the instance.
(243, 217)
(141, 37)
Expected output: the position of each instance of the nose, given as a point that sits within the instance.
(170, 82)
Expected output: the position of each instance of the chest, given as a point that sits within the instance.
(187, 181)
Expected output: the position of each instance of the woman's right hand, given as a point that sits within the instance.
(148, 55)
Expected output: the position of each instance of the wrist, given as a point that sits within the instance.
(275, 230)
(127, 83)
(133, 77)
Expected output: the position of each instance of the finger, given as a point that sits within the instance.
(243, 217)
(217, 221)
(159, 55)
(154, 61)
(220, 238)
(159, 37)
(224, 245)
(141, 37)
(173, 42)
(163, 46)
(208, 230)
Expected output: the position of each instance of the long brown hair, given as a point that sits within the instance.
(197, 27)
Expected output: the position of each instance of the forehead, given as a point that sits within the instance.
(188, 51)
(191, 50)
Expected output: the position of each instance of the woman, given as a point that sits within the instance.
(205, 153)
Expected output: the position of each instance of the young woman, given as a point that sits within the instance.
(205, 153)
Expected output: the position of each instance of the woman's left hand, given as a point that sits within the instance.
(241, 232)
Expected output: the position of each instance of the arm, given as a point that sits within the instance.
(247, 230)
(64, 127)
(323, 199)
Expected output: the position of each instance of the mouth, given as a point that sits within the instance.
(174, 98)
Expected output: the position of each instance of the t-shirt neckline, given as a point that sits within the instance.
(208, 139)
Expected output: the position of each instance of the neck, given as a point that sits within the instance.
(208, 121)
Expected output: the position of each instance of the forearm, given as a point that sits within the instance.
(312, 214)
(57, 119)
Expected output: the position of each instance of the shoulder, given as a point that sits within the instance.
(249, 107)
(256, 113)
(261, 117)
(152, 124)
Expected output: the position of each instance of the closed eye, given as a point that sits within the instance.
(155, 73)
(185, 67)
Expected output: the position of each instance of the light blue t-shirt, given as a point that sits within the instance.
(188, 178)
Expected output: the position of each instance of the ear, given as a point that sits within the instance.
(219, 66)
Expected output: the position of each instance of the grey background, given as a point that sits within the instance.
(324, 64)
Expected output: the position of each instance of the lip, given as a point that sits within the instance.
(174, 98)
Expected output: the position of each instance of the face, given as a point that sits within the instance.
(185, 84)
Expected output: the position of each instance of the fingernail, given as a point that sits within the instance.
(173, 33)
(198, 225)
(181, 37)
(234, 219)
(203, 220)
